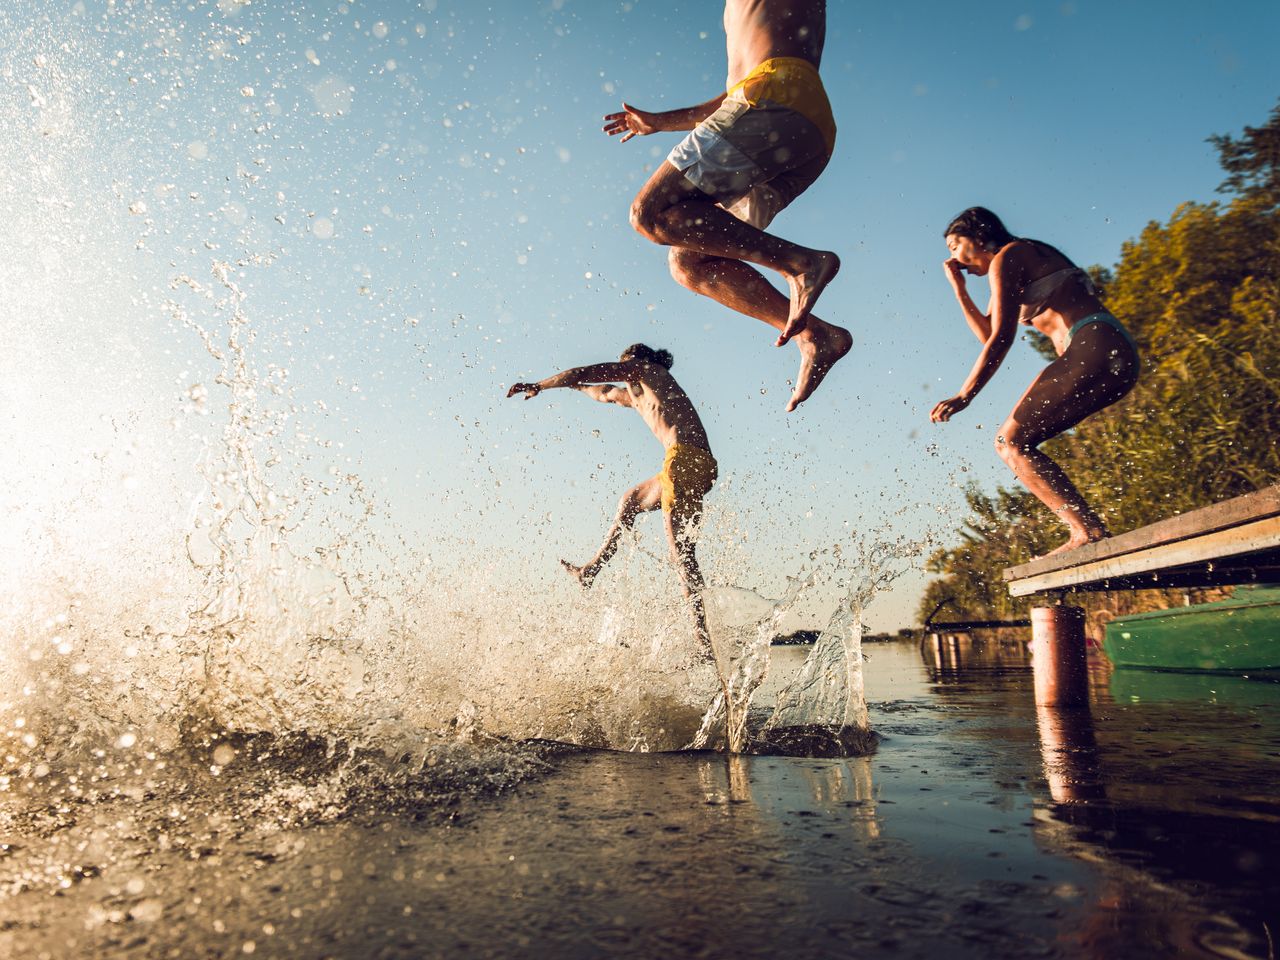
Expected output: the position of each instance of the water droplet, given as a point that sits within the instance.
(223, 754)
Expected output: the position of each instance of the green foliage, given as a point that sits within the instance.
(1000, 530)
(1201, 295)
(1252, 162)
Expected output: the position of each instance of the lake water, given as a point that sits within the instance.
(1146, 825)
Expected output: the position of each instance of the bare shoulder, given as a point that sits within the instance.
(1013, 254)
(1007, 278)
(1014, 261)
(658, 379)
(636, 371)
(660, 372)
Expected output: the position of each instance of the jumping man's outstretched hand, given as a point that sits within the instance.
(945, 410)
(630, 123)
(530, 390)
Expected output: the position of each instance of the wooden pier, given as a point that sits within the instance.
(1236, 541)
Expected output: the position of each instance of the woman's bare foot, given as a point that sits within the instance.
(820, 347)
(1078, 539)
(806, 286)
(584, 575)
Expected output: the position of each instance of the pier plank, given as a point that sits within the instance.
(1235, 541)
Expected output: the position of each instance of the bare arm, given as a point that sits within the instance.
(632, 122)
(1004, 323)
(605, 393)
(576, 377)
(979, 322)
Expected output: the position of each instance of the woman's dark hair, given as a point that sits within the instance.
(982, 227)
(638, 351)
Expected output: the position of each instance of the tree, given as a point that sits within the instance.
(1253, 161)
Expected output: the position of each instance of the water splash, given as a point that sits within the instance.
(744, 627)
(193, 556)
(822, 711)
(294, 620)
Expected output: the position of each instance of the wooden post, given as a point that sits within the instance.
(1058, 662)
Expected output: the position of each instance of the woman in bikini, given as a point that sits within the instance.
(1034, 284)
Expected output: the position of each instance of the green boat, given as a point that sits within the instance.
(1240, 635)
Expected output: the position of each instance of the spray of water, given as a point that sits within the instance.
(822, 710)
(196, 572)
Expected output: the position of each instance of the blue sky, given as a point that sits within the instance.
(435, 214)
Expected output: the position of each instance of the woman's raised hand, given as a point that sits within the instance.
(955, 271)
(945, 410)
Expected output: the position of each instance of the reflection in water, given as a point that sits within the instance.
(1070, 754)
(725, 779)
(1256, 695)
(831, 785)
(1157, 785)
(950, 657)
(849, 783)
(1081, 823)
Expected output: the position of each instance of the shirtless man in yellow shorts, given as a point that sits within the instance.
(753, 149)
(688, 471)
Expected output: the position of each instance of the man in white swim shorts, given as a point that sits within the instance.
(752, 150)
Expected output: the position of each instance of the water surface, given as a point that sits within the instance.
(1146, 825)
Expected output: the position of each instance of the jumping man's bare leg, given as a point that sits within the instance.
(639, 499)
(672, 211)
(741, 287)
(680, 522)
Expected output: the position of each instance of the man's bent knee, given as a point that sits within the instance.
(645, 218)
(688, 267)
(629, 507)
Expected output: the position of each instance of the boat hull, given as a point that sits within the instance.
(1239, 635)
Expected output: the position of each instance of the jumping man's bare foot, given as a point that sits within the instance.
(823, 345)
(581, 574)
(806, 286)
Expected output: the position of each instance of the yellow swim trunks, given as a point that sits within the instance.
(687, 475)
(793, 83)
(766, 144)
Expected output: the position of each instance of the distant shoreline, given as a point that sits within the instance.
(802, 638)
